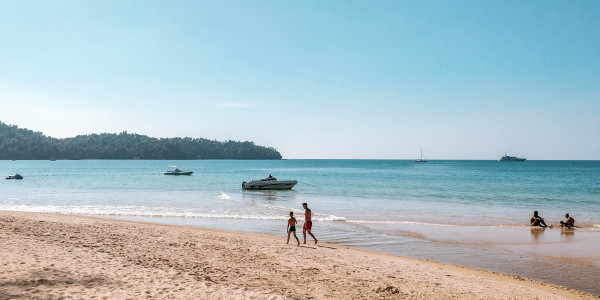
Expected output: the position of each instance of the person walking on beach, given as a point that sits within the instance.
(292, 228)
(307, 223)
(536, 220)
(569, 223)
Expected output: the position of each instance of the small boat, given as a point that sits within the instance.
(511, 158)
(177, 171)
(269, 183)
(16, 176)
(421, 159)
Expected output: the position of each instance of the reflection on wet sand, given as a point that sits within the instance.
(514, 250)
(536, 232)
(567, 232)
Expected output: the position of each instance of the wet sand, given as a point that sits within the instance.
(582, 244)
(568, 257)
(49, 256)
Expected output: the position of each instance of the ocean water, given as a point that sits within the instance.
(473, 213)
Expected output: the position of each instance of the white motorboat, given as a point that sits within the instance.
(177, 171)
(511, 158)
(16, 176)
(269, 183)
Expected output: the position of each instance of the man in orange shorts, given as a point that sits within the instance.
(307, 223)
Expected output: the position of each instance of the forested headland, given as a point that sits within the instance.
(21, 143)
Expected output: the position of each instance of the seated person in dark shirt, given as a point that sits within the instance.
(536, 220)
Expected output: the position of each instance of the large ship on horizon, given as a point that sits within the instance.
(511, 158)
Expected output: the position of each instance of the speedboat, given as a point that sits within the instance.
(269, 183)
(16, 176)
(511, 158)
(177, 171)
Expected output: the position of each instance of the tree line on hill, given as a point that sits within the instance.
(21, 143)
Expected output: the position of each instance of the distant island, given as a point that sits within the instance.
(21, 143)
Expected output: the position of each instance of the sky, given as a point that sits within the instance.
(313, 79)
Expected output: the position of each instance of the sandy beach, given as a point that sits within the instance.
(50, 256)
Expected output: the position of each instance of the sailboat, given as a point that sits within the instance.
(421, 159)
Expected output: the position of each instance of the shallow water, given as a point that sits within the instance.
(472, 213)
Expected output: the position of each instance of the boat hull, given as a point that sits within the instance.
(269, 184)
(178, 173)
(512, 159)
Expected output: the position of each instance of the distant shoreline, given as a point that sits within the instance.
(128, 159)
(23, 144)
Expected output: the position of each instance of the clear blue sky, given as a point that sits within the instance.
(314, 79)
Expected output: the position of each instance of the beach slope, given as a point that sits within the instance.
(49, 256)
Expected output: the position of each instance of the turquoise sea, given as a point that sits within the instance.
(472, 213)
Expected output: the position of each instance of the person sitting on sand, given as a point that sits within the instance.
(536, 220)
(292, 228)
(569, 223)
(307, 223)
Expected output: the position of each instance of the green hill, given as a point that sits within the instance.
(20, 143)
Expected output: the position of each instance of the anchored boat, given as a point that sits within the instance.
(511, 158)
(269, 183)
(177, 171)
(421, 160)
(16, 176)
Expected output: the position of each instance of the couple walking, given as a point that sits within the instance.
(306, 228)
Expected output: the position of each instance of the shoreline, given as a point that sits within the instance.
(554, 257)
(72, 256)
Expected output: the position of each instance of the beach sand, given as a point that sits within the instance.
(50, 256)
